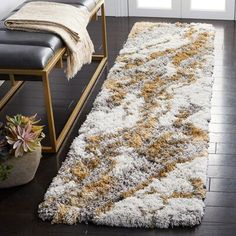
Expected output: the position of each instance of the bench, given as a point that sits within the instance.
(46, 52)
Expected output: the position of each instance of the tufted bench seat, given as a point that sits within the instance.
(28, 56)
(15, 47)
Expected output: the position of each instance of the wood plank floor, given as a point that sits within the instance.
(18, 206)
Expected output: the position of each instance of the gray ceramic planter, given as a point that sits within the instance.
(24, 169)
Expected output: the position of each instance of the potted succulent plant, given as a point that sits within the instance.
(20, 150)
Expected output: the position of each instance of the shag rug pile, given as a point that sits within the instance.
(140, 159)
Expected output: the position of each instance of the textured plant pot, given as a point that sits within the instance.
(24, 169)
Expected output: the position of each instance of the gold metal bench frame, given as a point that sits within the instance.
(44, 74)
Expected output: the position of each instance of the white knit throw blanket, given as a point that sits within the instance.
(67, 21)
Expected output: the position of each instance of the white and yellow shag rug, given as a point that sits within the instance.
(140, 159)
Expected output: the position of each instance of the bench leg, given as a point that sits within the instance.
(104, 31)
(104, 37)
(103, 61)
(50, 117)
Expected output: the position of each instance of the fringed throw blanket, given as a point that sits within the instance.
(67, 21)
(140, 159)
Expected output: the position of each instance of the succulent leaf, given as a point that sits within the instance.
(23, 134)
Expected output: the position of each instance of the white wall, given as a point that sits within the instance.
(116, 7)
(7, 6)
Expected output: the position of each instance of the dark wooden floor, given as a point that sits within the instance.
(18, 206)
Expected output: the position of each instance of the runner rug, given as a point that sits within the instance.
(140, 159)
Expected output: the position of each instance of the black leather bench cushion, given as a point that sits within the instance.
(25, 50)
(33, 39)
(24, 56)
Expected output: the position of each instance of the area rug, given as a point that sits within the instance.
(140, 159)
